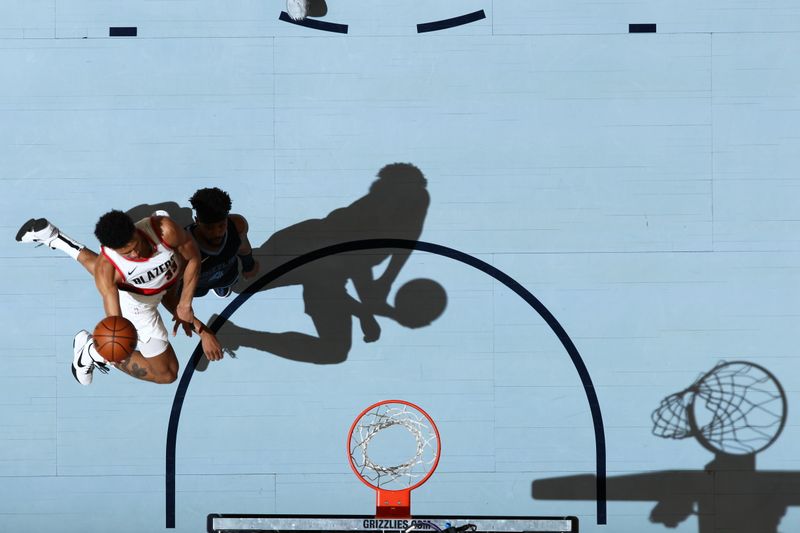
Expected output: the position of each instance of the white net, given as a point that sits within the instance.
(368, 447)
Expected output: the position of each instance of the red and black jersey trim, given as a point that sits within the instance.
(157, 231)
(147, 292)
(118, 269)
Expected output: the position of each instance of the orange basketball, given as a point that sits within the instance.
(115, 338)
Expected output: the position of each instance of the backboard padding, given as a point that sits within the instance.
(227, 523)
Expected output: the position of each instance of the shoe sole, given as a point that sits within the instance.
(75, 374)
(34, 224)
(72, 366)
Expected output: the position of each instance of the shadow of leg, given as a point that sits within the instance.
(331, 347)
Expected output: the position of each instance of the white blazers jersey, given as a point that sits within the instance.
(149, 276)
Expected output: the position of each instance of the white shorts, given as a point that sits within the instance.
(143, 312)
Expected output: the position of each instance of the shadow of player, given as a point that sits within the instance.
(317, 8)
(395, 207)
(182, 215)
(736, 410)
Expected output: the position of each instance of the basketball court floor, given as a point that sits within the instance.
(613, 210)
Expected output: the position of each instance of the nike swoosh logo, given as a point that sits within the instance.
(132, 271)
(79, 361)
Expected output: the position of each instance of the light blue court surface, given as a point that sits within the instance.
(644, 187)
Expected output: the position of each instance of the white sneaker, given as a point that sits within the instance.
(37, 230)
(82, 362)
(297, 9)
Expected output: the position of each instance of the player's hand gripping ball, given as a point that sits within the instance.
(115, 338)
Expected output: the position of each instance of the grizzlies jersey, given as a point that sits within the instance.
(147, 276)
(219, 268)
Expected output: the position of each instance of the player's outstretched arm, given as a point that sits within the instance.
(104, 279)
(249, 265)
(211, 346)
(180, 241)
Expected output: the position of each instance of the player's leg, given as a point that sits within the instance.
(41, 231)
(87, 258)
(154, 359)
(159, 365)
(160, 368)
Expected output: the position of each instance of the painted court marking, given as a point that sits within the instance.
(451, 22)
(371, 244)
(314, 24)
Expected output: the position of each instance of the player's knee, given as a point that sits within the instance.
(165, 378)
(164, 367)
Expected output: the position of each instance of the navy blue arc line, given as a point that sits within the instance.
(451, 23)
(315, 24)
(373, 244)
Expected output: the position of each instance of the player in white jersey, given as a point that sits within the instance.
(138, 268)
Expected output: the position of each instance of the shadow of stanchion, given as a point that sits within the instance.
(736, 410)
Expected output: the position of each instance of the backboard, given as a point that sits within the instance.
(228, 523)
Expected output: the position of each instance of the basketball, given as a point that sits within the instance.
(115, 338)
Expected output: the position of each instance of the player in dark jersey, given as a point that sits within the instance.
(222, 240)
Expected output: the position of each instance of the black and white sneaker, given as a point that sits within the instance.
(83, 364)
(223, 292)
(297, 9)
(41, 232)
(37, 230)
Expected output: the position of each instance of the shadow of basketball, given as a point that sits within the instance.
(418, 303)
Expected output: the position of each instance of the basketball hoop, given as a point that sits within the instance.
(394, 482)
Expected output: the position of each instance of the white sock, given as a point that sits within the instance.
(66, 244)
(93, 353)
